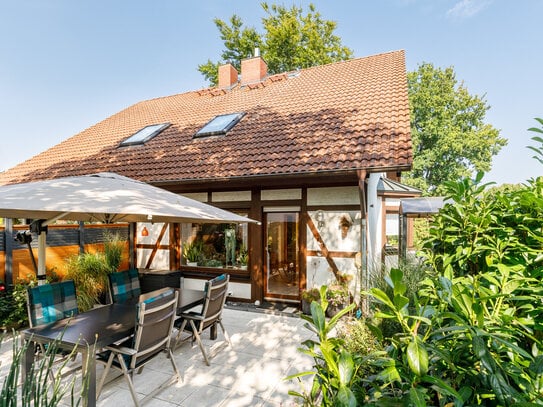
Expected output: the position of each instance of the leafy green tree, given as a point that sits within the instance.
(239, 43)
(291, 40)
(537, 150)
(450, 137)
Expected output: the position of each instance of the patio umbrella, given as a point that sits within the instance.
(102, 197)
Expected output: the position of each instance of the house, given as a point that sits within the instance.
(303, 152)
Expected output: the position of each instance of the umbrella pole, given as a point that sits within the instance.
(40, 226)
(42, 238)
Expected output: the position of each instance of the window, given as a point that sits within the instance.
(215, 245)
(144, 135)
(219, 125)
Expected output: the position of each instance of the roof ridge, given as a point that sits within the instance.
(400, 51)
(210, 89)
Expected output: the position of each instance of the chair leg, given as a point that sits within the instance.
(180, 332)
(174, 365)
(200, 344)
(104, 375)
(226, 336)
(128, 376)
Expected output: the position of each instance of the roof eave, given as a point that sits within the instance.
(324, 177)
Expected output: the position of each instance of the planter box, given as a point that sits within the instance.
(151, 280)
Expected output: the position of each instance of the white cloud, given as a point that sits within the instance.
(467, 8)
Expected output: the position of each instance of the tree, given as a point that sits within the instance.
(291, 40)
(450, 138)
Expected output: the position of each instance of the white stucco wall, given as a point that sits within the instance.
(161, 261)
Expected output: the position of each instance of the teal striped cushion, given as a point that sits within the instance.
(125, 285)
(52, 302)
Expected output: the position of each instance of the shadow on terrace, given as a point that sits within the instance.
(250, 373)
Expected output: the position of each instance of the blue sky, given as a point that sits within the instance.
(66, 65)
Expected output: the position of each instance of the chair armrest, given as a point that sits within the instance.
(121, 349)
(191, 315)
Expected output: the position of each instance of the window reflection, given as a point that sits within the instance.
(215, 245)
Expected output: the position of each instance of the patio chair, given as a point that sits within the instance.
(156, 313)
(216, 291)
(124, 286)
(48, 303)
(51, 302)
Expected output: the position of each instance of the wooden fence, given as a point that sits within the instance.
(63, 241)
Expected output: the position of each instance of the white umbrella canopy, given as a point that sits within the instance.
(102, 197)
(105, 197)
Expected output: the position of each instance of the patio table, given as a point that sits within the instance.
(93, 330)
(189, 298)
(87, 332)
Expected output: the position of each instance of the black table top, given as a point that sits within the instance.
(100, 326)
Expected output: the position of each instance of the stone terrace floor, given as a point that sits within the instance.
(251, 373)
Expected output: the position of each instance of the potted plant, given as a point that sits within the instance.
(308, 296)
(243, 257)
(192, 252)
(338, 297)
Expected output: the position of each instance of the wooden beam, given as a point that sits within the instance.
(255, 247)
(157, 246)
(322, 245)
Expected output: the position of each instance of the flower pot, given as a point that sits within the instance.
(192, 263)
(306, 307)
(332, 309)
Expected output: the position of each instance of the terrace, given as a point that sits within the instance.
(251, 373)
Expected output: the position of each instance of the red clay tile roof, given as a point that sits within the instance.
(342, 116)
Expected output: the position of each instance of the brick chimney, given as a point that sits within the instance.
(253, 70)
(228, 76)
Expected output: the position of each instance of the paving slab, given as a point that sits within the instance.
(251, 372)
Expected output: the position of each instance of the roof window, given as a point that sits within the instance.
(219, 125)
(144, 135)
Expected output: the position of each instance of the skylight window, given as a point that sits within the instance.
(219, 125)
(144, 135)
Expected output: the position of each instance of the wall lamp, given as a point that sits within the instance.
(320, 218)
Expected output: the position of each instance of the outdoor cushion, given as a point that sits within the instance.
(52, 302)
(124, 285)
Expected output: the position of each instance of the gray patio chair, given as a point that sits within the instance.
(152, 336)
(216, 291)
(48, 303)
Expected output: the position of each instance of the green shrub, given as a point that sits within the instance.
(357, 337)
(113, 251)
(413, 273)
(89, 272)
(13, 310)
(335, 370)
(470, 336)
(468, 328)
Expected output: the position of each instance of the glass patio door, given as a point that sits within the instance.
(282, 255)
